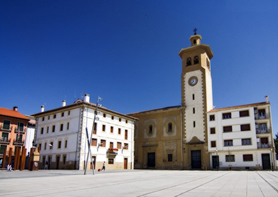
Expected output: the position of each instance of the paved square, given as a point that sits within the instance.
(139, 183)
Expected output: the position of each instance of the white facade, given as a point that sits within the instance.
(241, 137)
(61, 134)
(30, 133)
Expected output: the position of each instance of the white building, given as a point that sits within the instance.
(240, 137)
(61, 136)
(30, 133)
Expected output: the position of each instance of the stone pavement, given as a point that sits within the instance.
(139, 183)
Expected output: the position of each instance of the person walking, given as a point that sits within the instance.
(103, 166)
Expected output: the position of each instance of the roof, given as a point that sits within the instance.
(239, 106)
(154, 110)
(12, 113)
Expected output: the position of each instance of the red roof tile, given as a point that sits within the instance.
(12, 113)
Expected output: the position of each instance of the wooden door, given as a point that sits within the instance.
(125, 163)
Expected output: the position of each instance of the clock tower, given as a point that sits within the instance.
(196, 92)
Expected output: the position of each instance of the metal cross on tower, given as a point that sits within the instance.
(195, 31)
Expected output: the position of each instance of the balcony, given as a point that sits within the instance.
(17, 130)
(5, 129)
(264, 145)
(262, 131)
(5, 140)
(112, 151)
(18, 142)
(261, 116)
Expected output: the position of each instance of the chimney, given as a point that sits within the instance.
(266, 99)
(15, 108)
(63, 103)
(42, 108)
(87, 98)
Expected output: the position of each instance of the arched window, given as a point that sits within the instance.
(170, 127)
(150, 129)
(188, 62)
(196, 60)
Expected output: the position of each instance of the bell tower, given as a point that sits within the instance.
(196, 92)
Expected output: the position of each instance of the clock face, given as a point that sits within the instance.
(192, 81)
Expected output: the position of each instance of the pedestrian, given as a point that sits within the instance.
(46, 165)
(103, 166)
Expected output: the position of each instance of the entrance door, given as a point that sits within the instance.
(57, 162)
(49, 162)
(151, 160)
(265, 161)
(215, 162)
(94, 162)
(196, 159)
(125, 163)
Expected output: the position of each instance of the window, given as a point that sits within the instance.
(170, 157)
(19, 137)
(48, 117)
(62, 114)
(103, 128)
(246, 141)
(40, 146)
(119, 145)
(261, 113)
(94, 142)
(103, 143)
(66, 143)
(5, 137)
(244, 113)
(170, 127)
(54, 116)
(211, 118)
(245, 127)
(47, 129)
(227, 129)
(68, 126)
(194, 124)
(61, 127)
(193, 110)
(104, 115)
(111, 145)
(53, 128)
(110, 161)
(126, 134)
(196, 60)
(95, 128)
(2, 148)
(45, 145)
(6, 124)
(188, 62)
(264, 140)
(126, 121)
(150, 129)
(20, 126)
(111, 129)
(248, 157)
(59, 144)
(208, 64)
(228, 142)
(41, 130)
(68, 113)
(112, 117)
(120, 120)
(64, 159)
(193, 97)
(119, 131)
(212, 130)
(226, 115)
(213, 144)
(126, 146)
(42, 118)
(230, 158)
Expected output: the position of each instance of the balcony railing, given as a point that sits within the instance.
(18, 142)
(112, 151)
(19, 131)
(6, 129)
(262, 131)
(261, 116)
(263, 145)
(5, 140)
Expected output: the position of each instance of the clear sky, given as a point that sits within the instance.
(126, 51)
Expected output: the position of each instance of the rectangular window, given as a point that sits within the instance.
(126, 146)
(248, 157)
(119, 131)
(230, 158)
(54, 116)
(64, 159)
(227, 129)
(42, 130)
(20, 126)
(244, 113)
(68, 126)
(40, 146)
(47, 129)
(6, 124)
(228, 142)
(5, 137)
(95, 128)
(42, 118)
(94, 142)
(68, 113)
(53, 128)
(104, 115)
(126, 121)
(264, 140)
(226, 115)
(111, 145)
(120, 120)
(110, 161)
(66, 143)
(103, 127)
(59, 144)
(170, 127)
(212, 130)
(103, 143)
(119, 145)
(211, 117)
(193, 110)
(2, 148)
(170, 157)
(194, 124)
(62, 114)
(45, 145)
(213, 144)
(48, 117)
(193, 97)
(126, 134)
(61, 127)
(246, 141)
(111, 129)
(245, 127)
(112, 117)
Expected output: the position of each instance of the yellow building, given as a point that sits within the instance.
(176, 137)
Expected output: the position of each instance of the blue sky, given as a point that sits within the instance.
(127, 52)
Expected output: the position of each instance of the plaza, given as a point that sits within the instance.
(138, 183)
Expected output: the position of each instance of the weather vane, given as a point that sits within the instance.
(195, 31)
